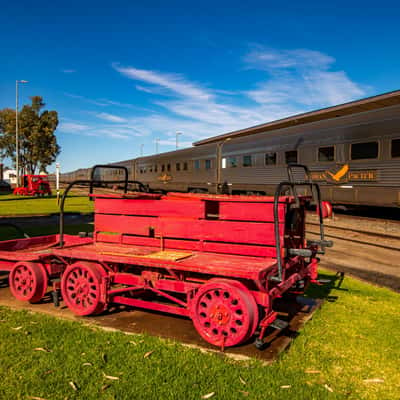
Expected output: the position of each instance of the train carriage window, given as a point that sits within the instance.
(232, 162)
(362, 151)
(197, 164)
(185, 166)
(178, 166)
(326, 153)
(247, 162)
(395, 148)
(207, 164)
(291, 157)
(270, 158)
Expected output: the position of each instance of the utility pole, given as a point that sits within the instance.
(157, 141)
(16, 130)
(141, 150)
(58, 182)
(177, 139)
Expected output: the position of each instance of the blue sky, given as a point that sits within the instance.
(121, 74)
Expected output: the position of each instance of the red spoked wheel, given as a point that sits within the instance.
(28, 281)
(224, 313)
(83, 288)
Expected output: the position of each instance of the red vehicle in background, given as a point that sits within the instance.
(34, 185)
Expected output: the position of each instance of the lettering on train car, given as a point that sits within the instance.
(342, 173)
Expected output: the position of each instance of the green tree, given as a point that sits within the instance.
(38, 146)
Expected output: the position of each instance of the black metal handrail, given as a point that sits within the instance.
(92, 183)
(105, 166)
(292, 184)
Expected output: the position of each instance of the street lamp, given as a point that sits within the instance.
(16, 129)
(157, 141)
(219, 162)
(141, 150)
(177, 136)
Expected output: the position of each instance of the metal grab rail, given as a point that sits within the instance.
(292, 184)
(92, 183)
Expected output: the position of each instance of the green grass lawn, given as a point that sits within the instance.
(350, 350)
(21, 205)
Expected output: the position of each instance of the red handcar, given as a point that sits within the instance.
(34, 185)
(220, 260)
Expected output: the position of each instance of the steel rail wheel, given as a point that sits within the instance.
(28, 281)
(82, 288)
(224, 313)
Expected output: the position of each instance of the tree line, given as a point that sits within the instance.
(38, 147)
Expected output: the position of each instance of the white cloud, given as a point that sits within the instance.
(73, 127)
(111, 117)
(300, 77)
(172, 82)
(269, 59)
(68, 71)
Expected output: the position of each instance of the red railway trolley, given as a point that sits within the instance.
(220, 260)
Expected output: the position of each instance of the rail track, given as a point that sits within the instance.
(366, 248)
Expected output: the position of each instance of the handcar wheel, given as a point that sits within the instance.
(28, 281)
(82, 287)
(224, 313)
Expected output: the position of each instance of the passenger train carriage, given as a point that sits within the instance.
(352, 150)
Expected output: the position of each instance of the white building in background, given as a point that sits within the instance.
(10, 176)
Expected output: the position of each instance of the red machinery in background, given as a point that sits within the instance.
(220, 260)
(34, 185)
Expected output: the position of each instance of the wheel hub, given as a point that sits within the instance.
(220, 314)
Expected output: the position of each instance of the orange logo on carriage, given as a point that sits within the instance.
(164, 178)
(338, 175)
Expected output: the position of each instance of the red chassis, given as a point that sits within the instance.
(212, 258)
(34, 185)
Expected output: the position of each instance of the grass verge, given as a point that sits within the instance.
(350, 350)
(20, 205)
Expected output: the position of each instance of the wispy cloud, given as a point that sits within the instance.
(104, 102)
(111, 117)
(304, 78)
(73, 126)
(175, 83)
(68, 71)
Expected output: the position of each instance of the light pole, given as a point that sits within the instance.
(157, 141)
(141, 150)
(16, 130)
(177, 139)
(219, 162)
